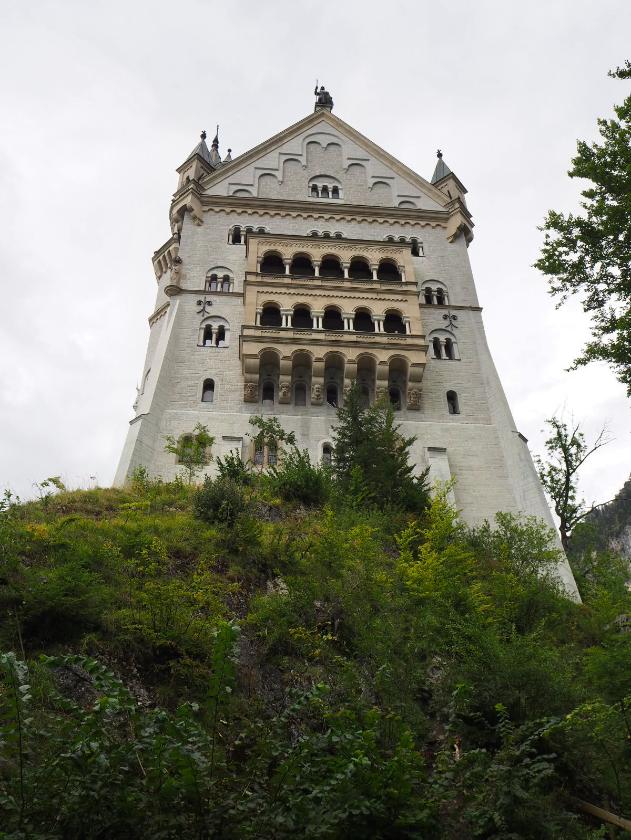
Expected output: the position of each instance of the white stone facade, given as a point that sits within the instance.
(270, 189)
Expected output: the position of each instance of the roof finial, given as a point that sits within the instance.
(203, 135)
(216, 139)
(324, 99)
(439, 154)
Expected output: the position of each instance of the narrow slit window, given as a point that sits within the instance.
(208, 391)
(452, 402)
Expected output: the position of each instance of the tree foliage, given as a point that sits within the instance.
(589, 253)
(191, 451)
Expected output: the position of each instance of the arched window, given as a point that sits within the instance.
(440, 297)
(270, 316)
(452, 402)
(331, 395)
(332, 319)
(267, 394)
(314, 190)
(427, 294)
(208, 336)
(220, 336)
(301, 318)
(327, 455)
(363, 321)
(416, 248)
(359, 269)
(300, 394)
(436, 347)
(301, 266)
(395, 397)
(393, 323)
(449, 348)
(330, 267)
(212, 283)
(225, 285)
(208, 390)
(388, 271)
(324, 191)
(272, 264)
(236, 235)
(335, 192)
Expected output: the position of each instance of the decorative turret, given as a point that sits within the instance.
(214, 150)
(445, 180)
(199, 163)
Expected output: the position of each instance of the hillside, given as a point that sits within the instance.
(227, 664)
(608, 528)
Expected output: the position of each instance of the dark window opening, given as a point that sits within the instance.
(393, 323)
(330, 267)
(258, 455)
(395, 398)
(300, 394)
(220, 337)
(428, 295)
(452, 402)
(437, 349)
(440, 297)
(301, 319)
(324, 192)
(236, 236)
(314, 190)
(267, 395)
(331, 395)
(212, 283)
(272, 264)
(363, 322)
(416, 251)
(272, 456)
(271, 317)
(301, 267)
(208, 336)
(388, 271)
(225, 286)
(327, 455)
(335, 192)
(449, 349)
(359, 270)
(332, 320)
(208, 390)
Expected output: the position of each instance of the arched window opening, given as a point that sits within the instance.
(359, 270)
(393, 323)
(335, 192)
(301, 266)
(301, 318)
(300, 394)
(449, 349)
(272, 264)
(314, 190)
(267, 395)
(427, 294)
(270, 316)
(440, 297)
(330, 267)
(452, 402)
(331, 395)
(225, 285)
(395, 398)
(324, 191)
(236, 235)
(437, 348)
(212, 283)
(363, 321)
(388, 272)
(208, 391)
(332, 319)
(207, 340)
(416, 250)
(327, 455)
(220, 336)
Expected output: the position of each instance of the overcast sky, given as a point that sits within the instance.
(100, 102)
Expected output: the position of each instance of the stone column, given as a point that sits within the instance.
(257, 321)
(408, 326)
(287, 266)
(374, 269)
(350, 375)
(286, 316)
(345, 267)
(317, 318)
(415, 375)
(402, 272)
(382, 380)
(348, 320)
(378, 322)
(316, 269)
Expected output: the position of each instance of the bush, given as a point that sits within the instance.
(296, 479)
(233, 468)
(221, 500)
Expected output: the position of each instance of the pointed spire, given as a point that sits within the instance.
(214, 149)
(441, 170)
(228, 157)
(201, 149)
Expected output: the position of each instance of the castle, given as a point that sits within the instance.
(311, 261)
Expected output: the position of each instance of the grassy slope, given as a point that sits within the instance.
(350, 672)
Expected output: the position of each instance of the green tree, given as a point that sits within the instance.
(567, 451)
(590, 253)
(192, 451)
(371, 457)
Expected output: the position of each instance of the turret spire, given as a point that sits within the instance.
(441, 170)
(214, 149)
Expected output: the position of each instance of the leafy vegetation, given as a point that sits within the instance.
(339, 670)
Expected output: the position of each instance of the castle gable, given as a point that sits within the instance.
(323, 158)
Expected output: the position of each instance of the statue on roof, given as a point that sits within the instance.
(323, 97)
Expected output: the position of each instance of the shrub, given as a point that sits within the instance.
(296, 479)
(220, 500)
(233, 468)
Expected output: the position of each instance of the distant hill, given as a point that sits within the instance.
(607, 528)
